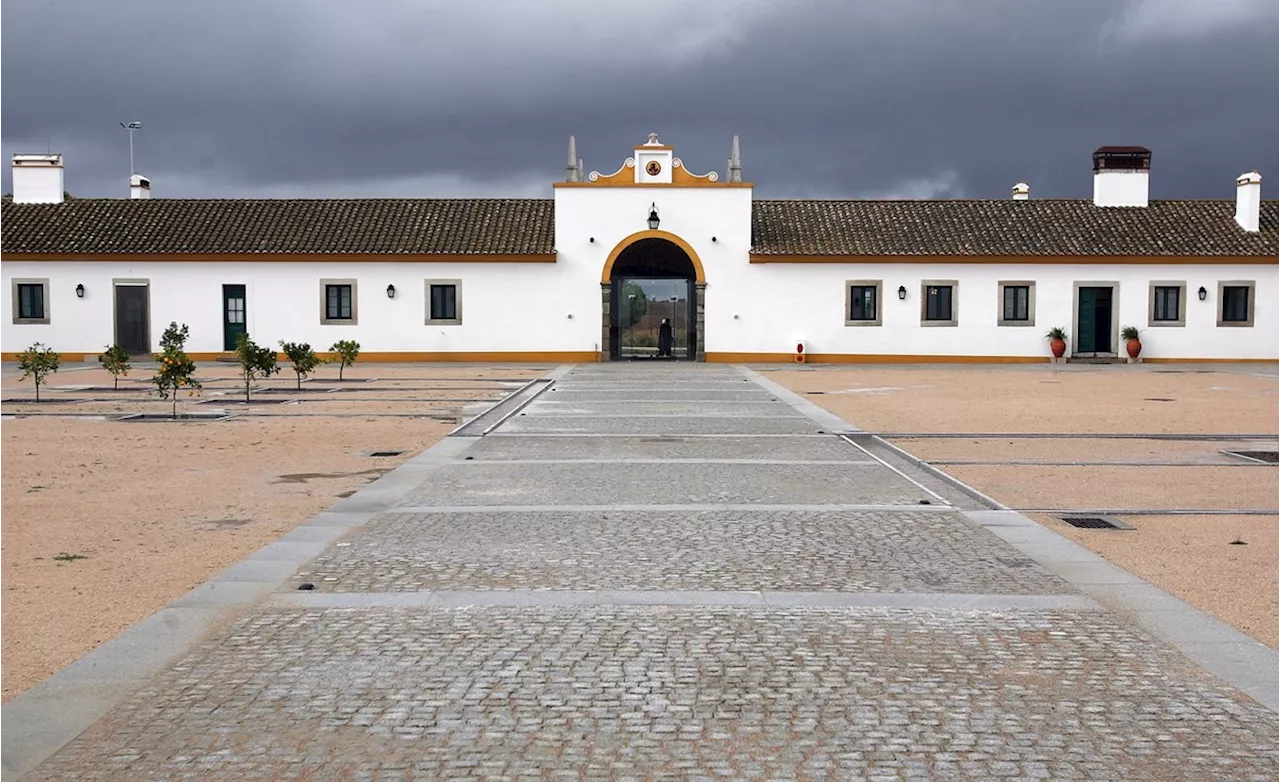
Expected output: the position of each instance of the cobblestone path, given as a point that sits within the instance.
(680, 572)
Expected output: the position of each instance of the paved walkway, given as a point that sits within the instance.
(653, 572)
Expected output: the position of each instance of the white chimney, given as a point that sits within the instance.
(37, 179)
(1120, 176)
(1248, 200)
(139, 186)
(1021, 191)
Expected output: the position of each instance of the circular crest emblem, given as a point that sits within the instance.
(653, 168)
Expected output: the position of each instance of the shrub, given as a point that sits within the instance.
(176, 370)
(347, 351)
(255, 361)
(38, 362)
(116, 361)
(303, 357)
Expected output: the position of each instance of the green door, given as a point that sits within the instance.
(233, 309)
(1085, 328)
(1093, 325)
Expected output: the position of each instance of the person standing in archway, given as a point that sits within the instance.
(664, 338)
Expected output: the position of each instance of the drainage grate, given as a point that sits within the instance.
(1095, 522)
(386, 453)
(1269, 457)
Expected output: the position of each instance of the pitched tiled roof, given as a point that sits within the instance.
(468, 226)
(1007, 228)
(1051, 228)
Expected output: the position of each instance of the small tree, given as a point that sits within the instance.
(255, 361)
(176, 370)
(347, 351)
(303, 357)
(38, 362)
(116, 361)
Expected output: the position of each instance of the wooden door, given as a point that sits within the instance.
(133, 323)
(233, 315)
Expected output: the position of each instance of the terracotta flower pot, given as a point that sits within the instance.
(1134, 347)
(1058, 347)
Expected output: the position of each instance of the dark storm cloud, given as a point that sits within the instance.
(830, 98)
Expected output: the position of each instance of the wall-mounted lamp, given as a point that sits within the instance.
(592, 240)
(653, 217)
(569, 316)
(391, 291)
(1204, 294)
(80, 291)
(902, 293)
(713, 238)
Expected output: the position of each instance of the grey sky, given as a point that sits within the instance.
(831, 98)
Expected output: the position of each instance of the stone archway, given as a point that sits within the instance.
(653, 257)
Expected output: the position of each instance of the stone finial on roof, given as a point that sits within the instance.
(735, 162)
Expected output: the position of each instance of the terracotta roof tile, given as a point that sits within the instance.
(393, 226)
(1054, 228)
(1007, 228)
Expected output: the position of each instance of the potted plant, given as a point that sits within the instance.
(1057, 337)
(1134, 345)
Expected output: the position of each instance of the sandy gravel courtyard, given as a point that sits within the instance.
(105, 522)
(1221, 563)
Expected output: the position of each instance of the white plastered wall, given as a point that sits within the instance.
(505, 306)
(779, 303)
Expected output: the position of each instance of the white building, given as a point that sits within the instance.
(571, 278)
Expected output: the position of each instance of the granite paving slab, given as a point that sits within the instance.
(800, 447)
(844, 551)
(546, 406)
(573, 392)
(623, 424)
(528, 483)
(677, 692)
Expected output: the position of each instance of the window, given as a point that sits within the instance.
(30, 301)
(1236, 303)
(444, 305)
(1168, 305)
(862, 303)
(937, 303)
(1017, 303)
(338, 302)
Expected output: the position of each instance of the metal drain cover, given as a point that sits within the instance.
(1095, 522)
(386, 453)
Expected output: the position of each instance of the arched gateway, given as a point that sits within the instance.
(652, 276)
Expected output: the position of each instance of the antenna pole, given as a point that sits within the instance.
(132, 168)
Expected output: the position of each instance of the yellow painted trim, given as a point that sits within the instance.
(866, 358)
(1146, 360)
(633, 183)
(1117, 260)
(607, 274)
(286, 257)
(383, 357)
(872, 358)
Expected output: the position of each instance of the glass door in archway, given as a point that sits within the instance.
(653, 317)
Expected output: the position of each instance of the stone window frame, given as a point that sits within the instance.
(1181, 320)
(1030, 285)
(325, 320)
(849, 285)
(1251, 285)
(925, 285)
(457, 303)
(17, 303)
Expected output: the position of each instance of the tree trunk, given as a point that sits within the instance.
(175, 404)
(116, 380)
(37, 389)
(247, 379)
(299, 374)
(341, 367)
